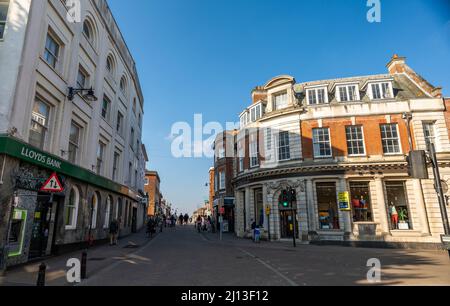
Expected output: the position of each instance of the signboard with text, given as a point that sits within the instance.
(344, 201)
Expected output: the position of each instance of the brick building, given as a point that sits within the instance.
(339, 138)
(211, 189)
(152, 189)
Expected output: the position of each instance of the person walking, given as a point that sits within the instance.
(151, 227)
(113, 231)
(186, 219)
(180, 219)
(199, 223)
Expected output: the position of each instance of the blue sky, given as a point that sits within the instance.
(205, 56)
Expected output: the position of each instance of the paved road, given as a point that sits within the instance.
(183, 257)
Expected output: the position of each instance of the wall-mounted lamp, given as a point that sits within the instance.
(88, 96)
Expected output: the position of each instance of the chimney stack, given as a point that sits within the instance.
(397, 64)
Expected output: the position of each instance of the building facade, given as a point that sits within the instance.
(91, 139)
(342, 141)
(224, 171)
(152, 189)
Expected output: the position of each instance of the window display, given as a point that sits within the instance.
(327, 206)
(398, 210)
(361, 206)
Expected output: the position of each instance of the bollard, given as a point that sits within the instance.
(83, 265)
(41, 275)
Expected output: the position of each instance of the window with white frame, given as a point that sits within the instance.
(72, 209)
(280, 101)
(322, 142)
(268, 139)
(4, 4)
(100, 157)
(52, 50)
(94, 210)
(284, 151)
(390, 139)
(382, 90)
(429, 133)
(355, 140)
(82, 78)
(106, 105)
(74, 142)
(108, 212)
(254, 159)
(347, 93)
(317, 96)
(244, 121)
(39, 128)
(222, 180)
(255, 113)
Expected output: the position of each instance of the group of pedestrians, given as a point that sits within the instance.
(204, 224)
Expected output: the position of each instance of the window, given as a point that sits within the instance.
(100, 156)
(321, 142)
(390, 139)
(134, 106)
(269, 139)
(140, 120)
(72, 209)
(39, 124)
(399, 214)
(254, 159)
(105, 107)
(317, 96)
(327, 206)
(360, 199)
(222, 180)
(115, 165)
(280, 101)
(244, 120)
(94, 210)
(119, 123)
(355, 140)
(82, 78)
(146, 181)
(87, 31)
(4, 4)
(284, 152)
(347, 93)
(74, 142)
(429, 134)
(381, 91)
(110, 65)
(132, 137)
(51, 52)
(123, 85)
(221, 152)
(108, 212)
(255, 113)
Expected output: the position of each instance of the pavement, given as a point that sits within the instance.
(183, 257)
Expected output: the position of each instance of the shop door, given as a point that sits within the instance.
(134, 221)
(286, 224)
(41, 226)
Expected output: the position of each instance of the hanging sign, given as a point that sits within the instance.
(344, 201)
(53, 184)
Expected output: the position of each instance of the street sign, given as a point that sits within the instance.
(52, 184)
(268, 210)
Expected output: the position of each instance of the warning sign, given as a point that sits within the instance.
(52, 184)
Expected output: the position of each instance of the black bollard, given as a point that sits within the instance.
(41, 275)
(83, 265)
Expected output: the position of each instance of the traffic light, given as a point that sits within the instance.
(417, 165)
(284, 201)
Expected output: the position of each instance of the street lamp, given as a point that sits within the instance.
(88, 96)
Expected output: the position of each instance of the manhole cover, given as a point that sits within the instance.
(131, 246)
(97, 259)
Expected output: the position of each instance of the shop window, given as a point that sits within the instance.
(399, 213)
(94, 210)
(327, 206)
(360, 198)
(72, 209)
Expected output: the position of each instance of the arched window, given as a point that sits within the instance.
(134, 106)
(94, 210)
(123, 85)
(71, 214)
(110, 65)
(108, 212)
(88, 30)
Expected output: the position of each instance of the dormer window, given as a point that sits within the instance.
(382, 90)
(347, 93)
(317, 96)
(244, 119)
(280, 101)
(256, 113)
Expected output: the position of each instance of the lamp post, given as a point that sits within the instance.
(89, 93)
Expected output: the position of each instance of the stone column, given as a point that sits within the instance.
(421, 208)
(381, 205)
(247, 210)
(344, 216)
(312, 217)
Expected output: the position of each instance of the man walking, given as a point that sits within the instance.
(113, 230)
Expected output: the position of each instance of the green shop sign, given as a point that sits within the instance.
(16, 148)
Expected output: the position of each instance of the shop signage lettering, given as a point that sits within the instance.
(344, 201)
(26, 152)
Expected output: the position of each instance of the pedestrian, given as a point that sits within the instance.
(113, 231)
(199, 223)
(151, 227)
(186, 219)
(181, 218)
(253, 229)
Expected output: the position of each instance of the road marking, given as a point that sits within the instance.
(291, 282)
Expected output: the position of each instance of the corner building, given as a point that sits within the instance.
(326, 138)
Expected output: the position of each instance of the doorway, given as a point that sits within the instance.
(327, 206)
(287, 223)
(42, 222)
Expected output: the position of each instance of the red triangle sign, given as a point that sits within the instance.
(52, 184)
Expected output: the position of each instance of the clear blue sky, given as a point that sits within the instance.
(205, 56)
